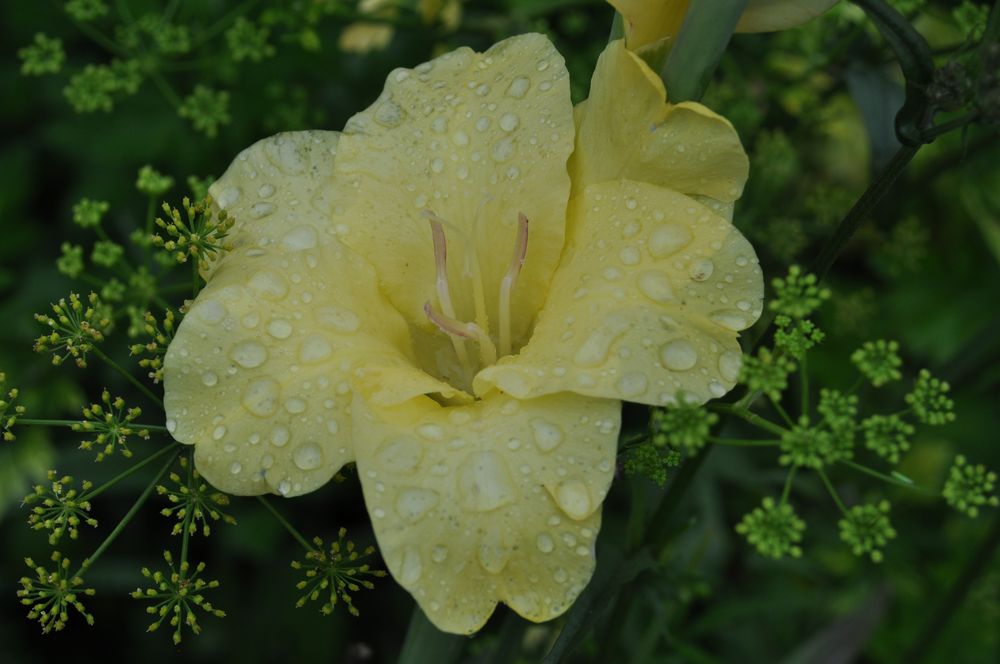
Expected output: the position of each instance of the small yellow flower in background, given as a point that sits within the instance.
(456, 294)
(648, 21)
(364, 37)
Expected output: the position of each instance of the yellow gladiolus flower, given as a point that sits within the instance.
(648, 21)
(456, 293)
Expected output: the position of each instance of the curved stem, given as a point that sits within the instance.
(886, 478)
(128, 376)
(71, 423)
(284, 522)
(93, 493)
(426, 643)
(140, 501)
(744, 442)
(832, 491)
(752, 418)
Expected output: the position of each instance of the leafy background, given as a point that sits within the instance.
(814, 107)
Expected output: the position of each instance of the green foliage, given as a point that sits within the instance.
(650, 461)
(887, 436)
(59, 508)
(878, 361)
(70, 262)
(767, 372)
(797, 295)
(9, 411)
(110, 424)
(43, 56)
(207, 109)
(796, 336)
(682, 427)
(152, 183)
(929, 400)
(86, 10)
(812, 447)
(76, 327)
(198, 234)
(51, 594)
(335, 575)
(969, 487)
(866, 529)
(773, 529)
(177, 596)
(88, 213)
(248, 41)
(160, 336)
(193, 502)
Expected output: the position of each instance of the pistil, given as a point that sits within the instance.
(441, 284)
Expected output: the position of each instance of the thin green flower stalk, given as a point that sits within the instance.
(160, 334)
(51, 594)
(193, 502)
(335, 575)
(76, 328)
(177, 597)
(111, 424)
(969, 486)
(9, 411)
(199, 233)
(773, 529)
(59, 507)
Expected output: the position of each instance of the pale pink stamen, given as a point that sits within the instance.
(509, 279)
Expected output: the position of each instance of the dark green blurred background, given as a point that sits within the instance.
(814, 107)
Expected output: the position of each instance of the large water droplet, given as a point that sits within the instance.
(547, 435)
(261, 210)
(655, 286)
(295, 406)
(400, 455)
(595, 349)
(389, 114)
(308, 456)
(268, 285)
(210, 311)
(439, 554)
(209, 379)
(678, 355)
(261, 397)
(248, 354)
(729, 365)
(279, 328)
(729, 319)
(411, 566)
(573, 498)
(668, 239)
(509, 122)
(544, 543)
(633, 384)
(518, 87)
(314, 349)
(484, 482)
(303, 237)
(413, 503)
(339, 318)
(701, 269)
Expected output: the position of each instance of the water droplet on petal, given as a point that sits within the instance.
(400, 455)
(678, 355)
(295, 406)
(518, 87)
(411, 566)
(303, 237)
(633, 384)
(339, 318)
(210, 311)
(655, 286)
(314, 349)
(573, 498)
(545, 543)
(729, 319)
(668, 239)
(268, 285)
(412, 504)
(729, 365)
(484, 482)
(509, 122)
(261, 397)
(219, 433)
(279, 328)
(279, 436)
(248, 354)
(547, 435)
(701, 269)
(209, 379)
(308, 456)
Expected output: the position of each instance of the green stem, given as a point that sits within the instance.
(509, 639)
(140, 501)
(945, 127)
(223, 23)
(128, 376)
(788, 484)
(804, 380)
(164, 87)
(784, 414)
(744, 442)
(886, 478)
(706, 31)
(752, 418)
(832, 491)
(93, 493)
(284, 522)
(661, 535)
(188, 515)
(71, 423)
(425, 643)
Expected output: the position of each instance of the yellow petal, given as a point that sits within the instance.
(627, 130)
(771, 15)
(364, 38)
(278, 191)
(647, 21)
(647, 302)
(261, 371)
(497, 501)
(476, 139)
